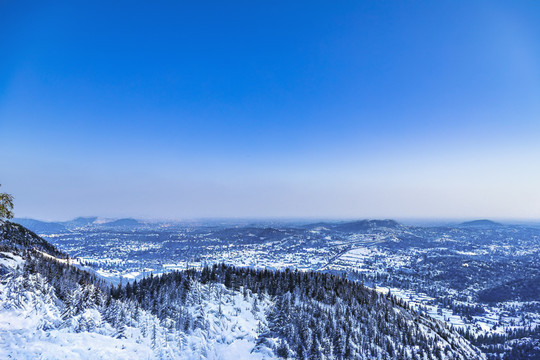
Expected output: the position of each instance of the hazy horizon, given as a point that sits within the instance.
(298, 220)
(304, 110)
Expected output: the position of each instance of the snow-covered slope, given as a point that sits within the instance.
(31, 326)
(51, 309)
(34, 324)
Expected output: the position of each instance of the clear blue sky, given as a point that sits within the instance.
(242, 109)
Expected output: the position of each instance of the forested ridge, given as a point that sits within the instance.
(315, 315)
(189, 314)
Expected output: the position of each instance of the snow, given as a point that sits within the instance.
(233, 332)
(10, 260)
(31, 326)
(29, 343)
(239, 349)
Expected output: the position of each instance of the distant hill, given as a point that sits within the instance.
(357, 226)
(41, 227)
(54, 227)
(480, 223)
(80, 221)
(44, 227)
(128, 222)
(363, 225)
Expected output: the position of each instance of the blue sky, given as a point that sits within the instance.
(275, 109)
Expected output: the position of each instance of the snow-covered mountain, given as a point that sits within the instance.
(52, 308)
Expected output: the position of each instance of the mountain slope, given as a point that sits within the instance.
(218, 312)
(15, 236)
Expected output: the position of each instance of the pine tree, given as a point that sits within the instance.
(6, 206)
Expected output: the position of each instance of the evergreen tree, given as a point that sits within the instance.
(6, 206)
